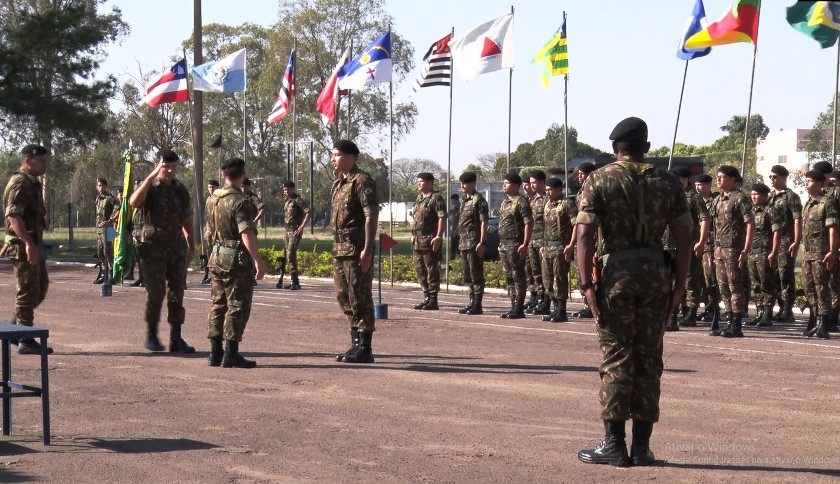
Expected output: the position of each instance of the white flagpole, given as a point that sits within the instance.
(391, 169)
(292, 101)
(244, 125)
(749, 104)
(510, 108)
(834, 124)
(677, 124)
(566, 119)
(449, 172)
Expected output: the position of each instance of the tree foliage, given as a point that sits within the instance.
(818, 142)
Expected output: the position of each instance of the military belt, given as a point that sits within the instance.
(344, 235)
(227, 247)
(632, 254)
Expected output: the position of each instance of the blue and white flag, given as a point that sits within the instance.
(225, 75)
(696, 23)
(371, 66)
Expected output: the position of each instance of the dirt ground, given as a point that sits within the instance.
(451, 398)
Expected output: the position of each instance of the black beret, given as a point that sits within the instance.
(425, 175)
(703, 178)
(630, 129)
(823, 167)
(467, 177)
(554, 183)
(761, 188)
(346, 146)
(288, 184)
(167, 155)
(681, 171)
(213, 182)
(779, 170)
(537, 174)
(729, 170)
(586, 167)
(513, 178)
(815, 175)
(739, 179)
(233, 163)
(33, 150)
(454, 196)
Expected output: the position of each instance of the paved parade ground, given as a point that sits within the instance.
(451, 398)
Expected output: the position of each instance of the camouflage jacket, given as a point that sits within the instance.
(767, 222)
(474, 210)
(255, 201)
(24, 197)
(558, 222)
(538, 202)
(731, 212)
(699, 213)
(789, 207)
(353, 198)
(163, 213)
(294, 211)
(427, 211)
(229, 214)
(514, 214)
(817, 216)
(710, 240)
(105, 205)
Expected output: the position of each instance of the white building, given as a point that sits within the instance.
(785, 147)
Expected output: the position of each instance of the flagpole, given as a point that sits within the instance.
(834, 125)
(749, 104)
(198, 165)
(449, 173)
(349, 97)
(391, 171)
(510, 108)
(292, 100)
(566, 121)
(677, 124)
(244, 124)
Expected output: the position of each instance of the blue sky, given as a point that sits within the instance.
(622, 61)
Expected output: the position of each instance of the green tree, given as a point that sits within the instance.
(818, 142)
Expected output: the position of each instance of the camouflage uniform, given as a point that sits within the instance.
(428, 209)
(163, 251)
(699, 214)
(834, 273)
(514, 214)
(353, 197)
(767, 222)
(817, 216)
(558, 216)
(789, 207)
(256, 202)
(105, 206)
(635, 281)
(231, 266)
(294, 211)
(474, 211)
(731, 213)
(535, 280)
(709, 273)
(24, 197)
(454, 235)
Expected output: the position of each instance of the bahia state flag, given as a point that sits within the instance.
(372, 66)
(486, 48)
(287, 92)
(224, 75)
(169, 87)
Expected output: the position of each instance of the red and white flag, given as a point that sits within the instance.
(169, 87)
(287, 92)
(330, 93)
(486, 48)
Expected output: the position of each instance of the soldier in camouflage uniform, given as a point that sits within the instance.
(106, 212)
(259, 206)
(212, 186)
(703, 186)
(427, 239)
(789, 206)
(25, 219)
(235, 264)
(472, 230)
(834, 274)
(631, 202)
(536, 287)
(583, 171)
(733, 219)
(819, 232)
(355, 215)
(136, 229)
(764, 254)
(515, 225)
(166, 248)
(452, 222)
(558, 214)
(295, 217)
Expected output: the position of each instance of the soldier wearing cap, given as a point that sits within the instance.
(259, 206)
(515, 225)
(819, 234)
(703, 186)
(540, 301)
(789, 206)
(295, 216)
(834, 274)
(472, 231)
(559, 213)
(25, 220)
(763, 255)
(734, 228)
(583, 171)
(355, 214)
(631, 202)
(212, 186)
(166, 246)
(235, 264)
(427, 231)
(106, 209)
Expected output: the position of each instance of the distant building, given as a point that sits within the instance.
(785, 147)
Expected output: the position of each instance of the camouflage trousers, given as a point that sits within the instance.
(292, 243)
(834, 284)
(710, 277)
(533, 268)
(231, 294)
(164, 277)
(472, 268)
(555, 273)
(32, 284)
(763, 279)
(514, 269)
(817, 290)
(632, 297)
(353, 290)
(730, 281)
(786, 275)
(104, 251)
(427, 265)
(695, 282)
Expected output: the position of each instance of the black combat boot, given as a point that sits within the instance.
(469, 306)
(152, 342)
(640, 453)
(543, 308)
(476, 309)
(786, 314)
(206, 279)
(507, 313)
(533, 301)
(759, 314)
(612, 450)
(690, 320)
(518, 311)
(561, 316)
(766, 316)
(733, 330)
(295, 285)
(426, 297)
(556, 305)
(29, 346)
(364, 352)
(672, 325)
(232, 358)
(585, 312)
(432, 305)
(811, 328)
(216, 353)
(822, 327)
(130, 275)
(176, 342)
(715, 329)
(100, 278)
(354, 343)
(832, 323)
(138, 282)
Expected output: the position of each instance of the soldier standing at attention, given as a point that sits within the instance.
(583, 171)
(235, 264)
(212, 186)
(452, 221)
(631, 202)
(25, 221)
(559, 213)
(538, 201)
(106, 208)
(295, 216)
(259, 206)
(515, 225)
(819, 227)
(789, 206)
(763, 254)
(734, 227)
(703, 186)
(472, 230)
(166, 248)
(528, 190)
(427, 231)
(355, 214)
(834, 281)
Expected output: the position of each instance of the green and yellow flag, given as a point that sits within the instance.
(818, 20)
(123, 247)
(554, 56)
